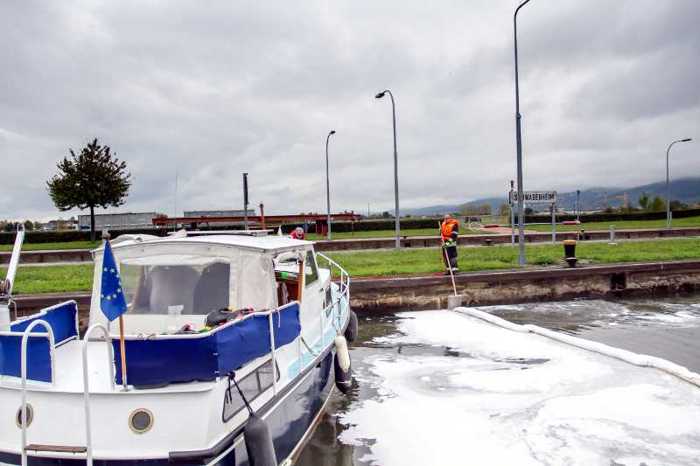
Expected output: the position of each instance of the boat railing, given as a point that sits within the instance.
(343, 288)
(23, 373)
(86, 381)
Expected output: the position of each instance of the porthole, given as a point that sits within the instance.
(30, 416)
(141, 421)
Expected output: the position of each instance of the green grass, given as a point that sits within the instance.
(53, 246)
(621, 225)
(428, 260)
(410, 261)
(52, 279)
(390, 233)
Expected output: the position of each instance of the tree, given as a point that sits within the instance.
(678, 205)
(504, 210)
(90, 179)
(657, 205)
(476, 210)
(28, 225)
(644, 201)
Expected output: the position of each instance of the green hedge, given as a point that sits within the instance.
(614, 217)
(68, 236)
(370, 225)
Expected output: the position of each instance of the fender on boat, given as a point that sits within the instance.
(352, 328)
(258, 442)
(342, 365)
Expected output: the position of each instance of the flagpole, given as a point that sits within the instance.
(122, 350)
(113, 296)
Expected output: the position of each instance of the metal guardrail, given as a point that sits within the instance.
(86, 382)
(343, 285)
(23, 368)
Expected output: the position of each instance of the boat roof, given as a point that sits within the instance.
(271, 243)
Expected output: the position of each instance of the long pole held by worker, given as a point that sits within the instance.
(112, 300)
(447, 259)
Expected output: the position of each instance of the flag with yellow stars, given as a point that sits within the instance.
(112, 301)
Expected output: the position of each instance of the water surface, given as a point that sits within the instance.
(665, 328)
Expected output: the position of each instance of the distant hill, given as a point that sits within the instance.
(686, 190)
(432, 210)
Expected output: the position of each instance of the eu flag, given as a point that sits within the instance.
(112, 301)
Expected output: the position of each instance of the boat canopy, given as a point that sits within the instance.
(171, 282)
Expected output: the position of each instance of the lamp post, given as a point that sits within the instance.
(578, 205)
(519, 143)
(668, 185)
(245, 200)
(396, 170)
(328, 188)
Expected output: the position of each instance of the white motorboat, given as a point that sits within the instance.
(232, 343)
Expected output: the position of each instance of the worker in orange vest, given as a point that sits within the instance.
(449, 231)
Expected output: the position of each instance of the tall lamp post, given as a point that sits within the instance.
(519, 143)
(245, 200)
(668, 185)
(396, 170)
(578, 205)
(328, 188)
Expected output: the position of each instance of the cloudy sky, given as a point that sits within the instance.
(213, 89)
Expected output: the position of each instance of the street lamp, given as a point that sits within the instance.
(578, 205)
(328, 188)
(519, 143)
(668, 186)
(396, 170)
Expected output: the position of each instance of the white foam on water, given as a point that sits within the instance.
(517, 398)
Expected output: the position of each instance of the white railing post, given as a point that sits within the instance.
(23, 370)
(86, 382)
(344, 286)
(273, 351)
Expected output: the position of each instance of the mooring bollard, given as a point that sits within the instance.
(612, 235)
(570, 252)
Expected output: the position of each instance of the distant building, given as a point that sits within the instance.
(61, 225)
(125, 221)
(218, 213)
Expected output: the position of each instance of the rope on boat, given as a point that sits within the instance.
(232, 377)
(308, 348)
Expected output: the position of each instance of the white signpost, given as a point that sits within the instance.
(535, 197)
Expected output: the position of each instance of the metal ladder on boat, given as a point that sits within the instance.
(87, 449)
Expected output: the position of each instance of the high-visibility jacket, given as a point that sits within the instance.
(449, 229)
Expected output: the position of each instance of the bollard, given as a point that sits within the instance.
(570, 252)
(612, 235)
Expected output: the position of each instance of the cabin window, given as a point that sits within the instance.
(189, 289)
(311, 271)
(252, 385)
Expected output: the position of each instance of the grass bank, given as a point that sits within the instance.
(53, 246)
(52, 279)
(390, 233)
(428, 260)
(410, 261)
(621, 225)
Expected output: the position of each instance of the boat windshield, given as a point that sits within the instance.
(175, 285)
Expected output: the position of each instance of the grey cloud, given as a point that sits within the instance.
(212, 90)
